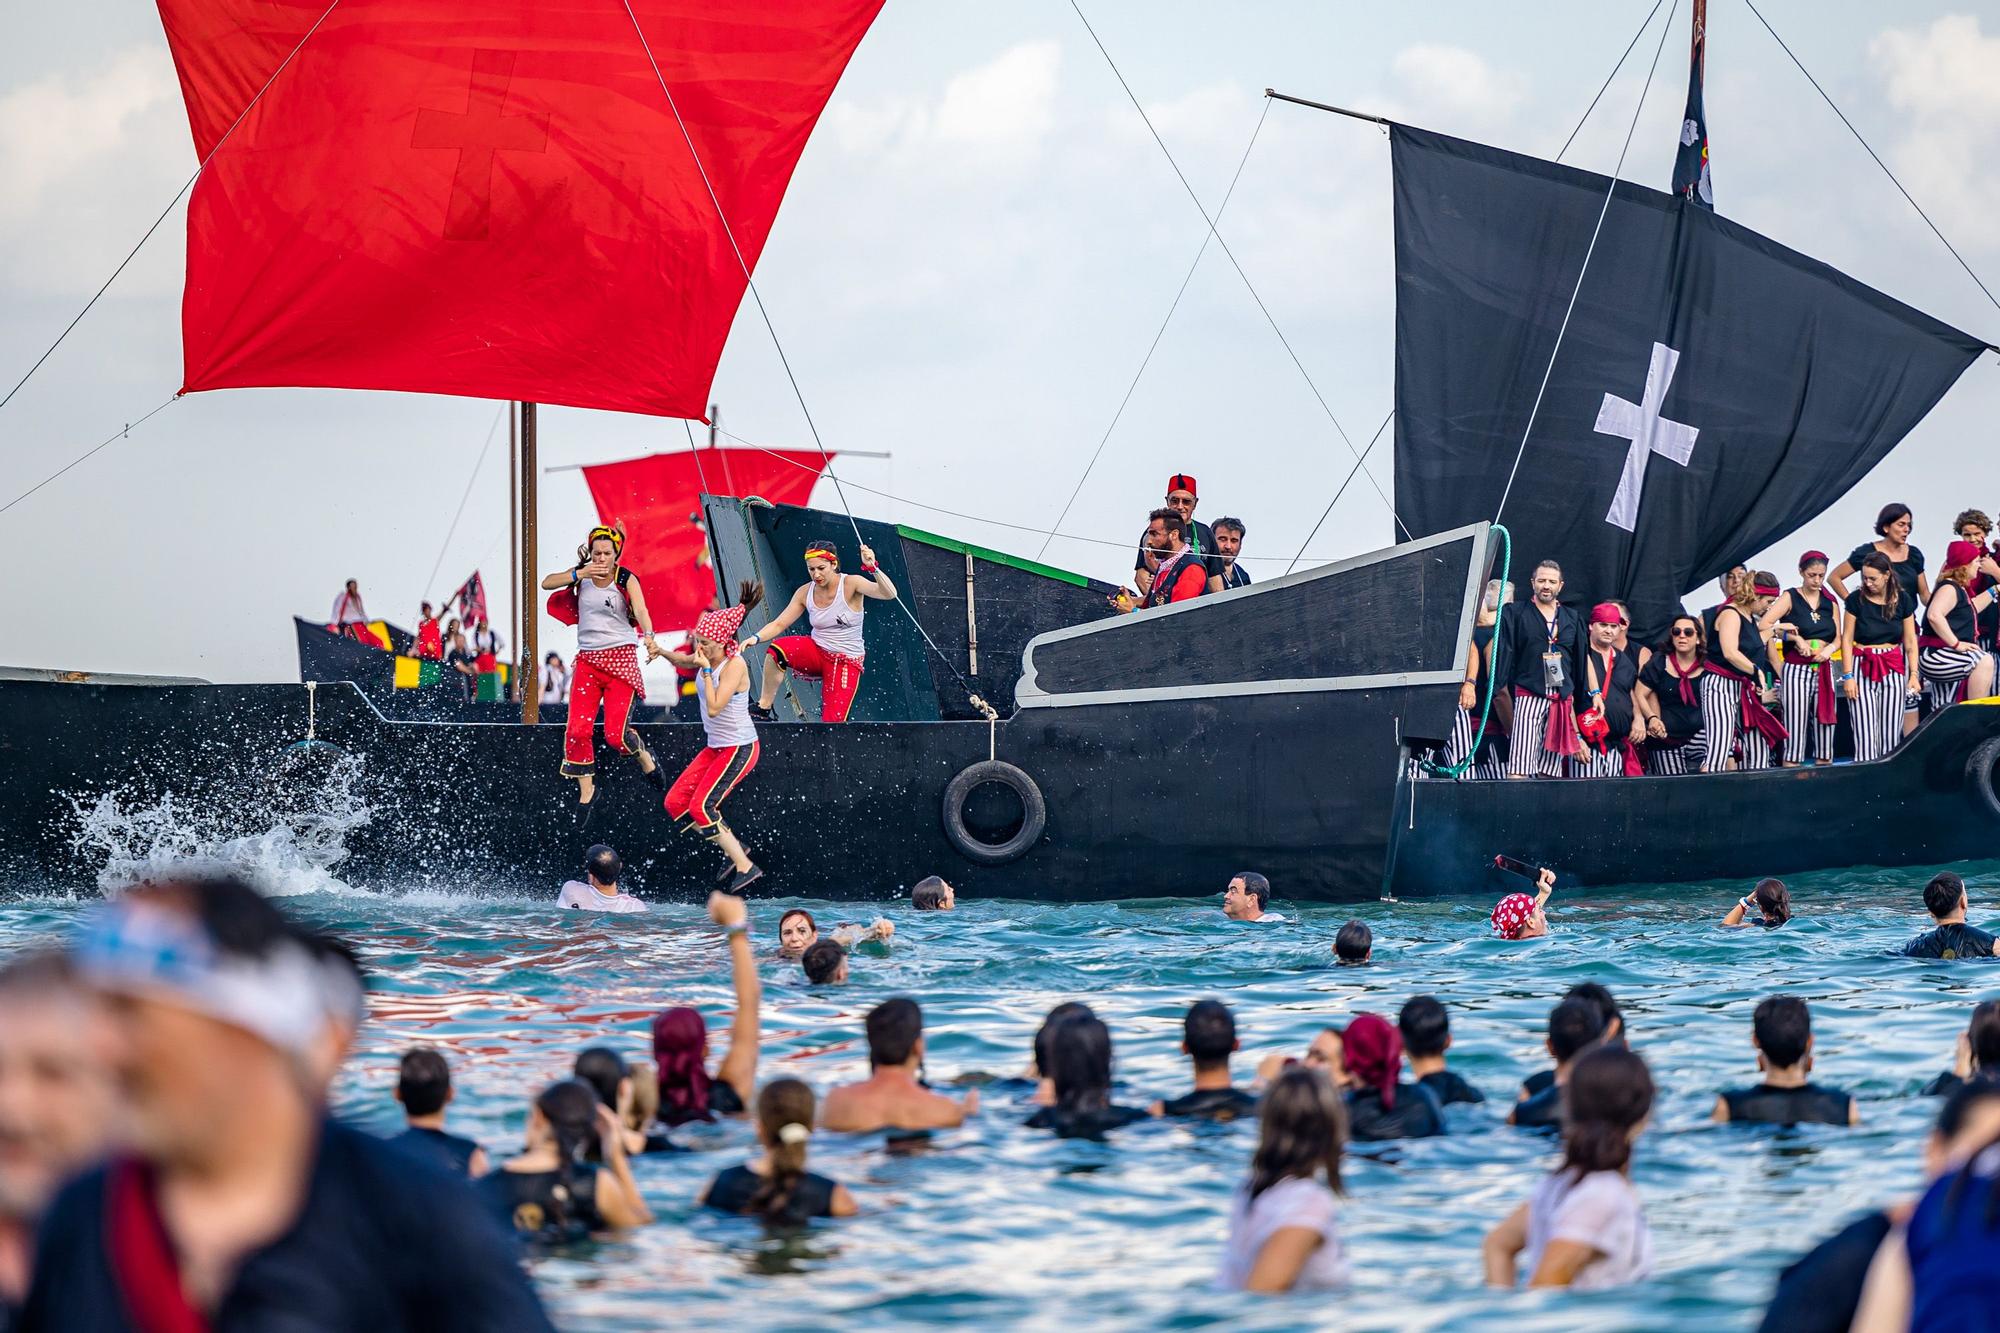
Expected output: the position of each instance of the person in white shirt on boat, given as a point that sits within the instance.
(834, 605)
(349, 616)
(555, 680)
(598, 890)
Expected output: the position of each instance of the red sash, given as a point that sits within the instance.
(1879, 661)
(142, 1256)
(1825, 709)
(1755, 715)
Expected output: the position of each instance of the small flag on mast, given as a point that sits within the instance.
(1691, 180)
(470, 599)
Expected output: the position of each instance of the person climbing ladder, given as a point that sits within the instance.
(834, 605)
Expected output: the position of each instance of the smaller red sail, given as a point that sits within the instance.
(658, 497)
(493, 200)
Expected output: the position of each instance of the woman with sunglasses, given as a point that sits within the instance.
(1667, 699)
(1808, 617)
(605, 603)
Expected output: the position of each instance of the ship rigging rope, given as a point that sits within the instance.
(1610, 192)
(1323, 514)
(1158, 333)
(105, 444)
(1605, 87)
(430, 583)
(178, 195)
(1224, 246)
(750, 283)
(1872, 153)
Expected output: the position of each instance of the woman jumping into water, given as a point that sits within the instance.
(605, 603)
(722, 685)
(834, 605)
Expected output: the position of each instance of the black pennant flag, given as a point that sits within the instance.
(1713, 392)
(1691, 181)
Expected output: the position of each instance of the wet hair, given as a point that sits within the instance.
(680, 1050)
(1171, 519)
(1046, 1032)
(894, 1027)
(1942, 894)
(1425, 1026)
(1598, 995)
(811, 924)
(1256, 886)
(749, 593)
(782, 1103)
(602, 864)
(1774, 900)
(570, 1107)
(1609, 1091)
(1891, 513)
(1574, 1025)
(423, 1082)
(1892, 590)
(1982, 1034)
(1080, 1063)
(821, 961)
(1235, 525)
(603, 1069)
(928, 895)
(1353, 942)
(1976, 517)
(1783, 1026)
(1209, 1033)
(1303, 1125)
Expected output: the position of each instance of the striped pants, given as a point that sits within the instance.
(1878, 715)
(1722, 716)
(1464, 726)
(1527, 755)
(1685, 758)
(1943, 669)
(1798, 706)
(1591, 764)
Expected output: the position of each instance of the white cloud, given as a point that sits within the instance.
(1445, 83)
(1946, 80)
(993, 116)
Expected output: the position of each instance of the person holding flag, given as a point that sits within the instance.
(834, 605)
(605, 603)
(722, 685)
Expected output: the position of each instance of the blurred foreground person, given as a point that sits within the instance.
(238, 1204)
(55, 1104)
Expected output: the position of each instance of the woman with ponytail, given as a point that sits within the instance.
(722, 687)
(1583, 1225)
(550, 1194)
(680, 1036)
(777, 1187)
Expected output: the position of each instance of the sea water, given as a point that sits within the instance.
(1006, 1227)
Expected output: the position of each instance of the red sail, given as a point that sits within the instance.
(492, 200)
(657, 497)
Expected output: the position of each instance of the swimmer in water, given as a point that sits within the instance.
(797, 932)
(598, 890)
(825, 964)
(932, 894)
(1282, 1235)
(1519, 917)
(1768, 905)
(615, 1085)
(1426, 1029)
(1781, 1032)
(1080, 1064)
(777, 1187)
(1248, 894)
(680, 1036)
(1380, 1103)
(1354, 945)
(1576, 1026)
(1323, 1053)
(892, 1096)
(423, 1086)
(1977, 1057)
(1208, 1039)
(1610, 1030)
(550, 1193)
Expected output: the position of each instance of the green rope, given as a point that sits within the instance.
(1486, 705)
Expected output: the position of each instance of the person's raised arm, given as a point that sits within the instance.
(1545, 884)
(562, 578)
(739, 1065)
(1736, 914)
(779, 623)
(873, 582)
(1503, 1245)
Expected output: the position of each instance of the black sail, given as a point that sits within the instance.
(1714, 390)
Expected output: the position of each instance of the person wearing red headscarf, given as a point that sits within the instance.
(605, 603)
(1736, 691)
(722, 684)
(1974, 526)
(688, 1093)
(1954, 666)
(834, 605)
(1808, 618)
(1380, 1103)
(1519, 917)
(1609, 724)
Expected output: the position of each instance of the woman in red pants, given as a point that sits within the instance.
(722, 685)
(606, 604)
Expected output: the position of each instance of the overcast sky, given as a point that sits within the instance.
(979, 245)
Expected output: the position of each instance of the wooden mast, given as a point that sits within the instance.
(1699, 52)
(531, 695)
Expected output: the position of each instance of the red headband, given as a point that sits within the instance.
(1180, 481)
(821, 553)
(1763, 589)
(1606, 613)
(1812, 558)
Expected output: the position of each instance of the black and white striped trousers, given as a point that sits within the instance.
(1527, 755)
(1943, 669)
(1798, 707)
(1687, 757)
(1878, 715)
(1591, 764)
(1721, 716)
(1464, 726)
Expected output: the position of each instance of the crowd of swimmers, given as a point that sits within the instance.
(1762, 679)
(213, 1025)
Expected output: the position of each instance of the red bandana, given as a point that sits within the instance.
(721, 626)
(1511, 913)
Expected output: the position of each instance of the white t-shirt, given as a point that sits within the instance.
(1602, 1211)
(578, 894)
(1293, 1202)
(1268, 919)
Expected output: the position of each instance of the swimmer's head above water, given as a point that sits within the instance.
(797, 932)
(933, 894)
(1248, 894)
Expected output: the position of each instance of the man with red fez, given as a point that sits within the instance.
(1197, 538)
(722, 687)
(834, 605)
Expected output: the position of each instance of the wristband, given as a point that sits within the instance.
(871, 569)
(738, 929)
(1747, 904)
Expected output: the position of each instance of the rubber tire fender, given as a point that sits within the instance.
(1034, 812)
(1979, 774)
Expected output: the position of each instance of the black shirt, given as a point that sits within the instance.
(1540, 1081)
(1749, 642)
(1416, 1114)
(1956, 940)
(1682, 719)
(1213, 1104)
(1069, 1124)
(1448, 1087)
(1821, 1291)
(539, 1207)
(1906, 571)
(1811, 624)
(1235, 577)
(384, 1243)
(1523, 636)
(1809, 1105)
(733, 1190)
(1542, 1110)
(1872, 622)
(453, 1152)
(1960, 617)
(722, 1100)
(1617, 686)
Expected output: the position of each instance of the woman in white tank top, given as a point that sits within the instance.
(722, 683)
(835, 606)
